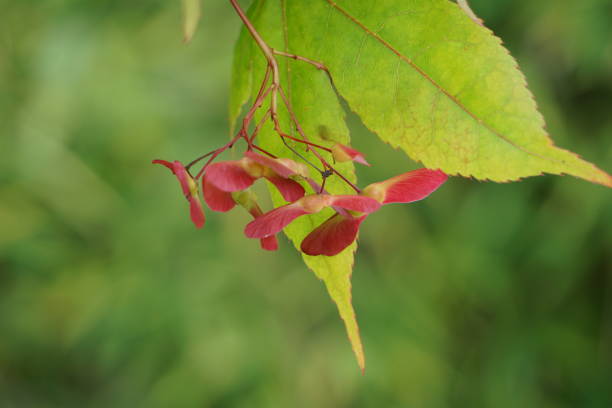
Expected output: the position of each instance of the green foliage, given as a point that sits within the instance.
(110, 298)
(425, 78)
(422, 75)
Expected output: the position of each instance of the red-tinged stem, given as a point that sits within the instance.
(303, 134)
(242, 133)
(266, 50)
(314, 63)
(261, 95)
(213, 157)
(298, 154)
(354, 187)
(306, 142)
(278, 130)
(274, 89)
(198, 159)
(264, 151)
(264, 82)
(217, 152)
(299, 127)
(261, 122)
(249, 116)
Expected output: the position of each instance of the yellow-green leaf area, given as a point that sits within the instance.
(427, 79)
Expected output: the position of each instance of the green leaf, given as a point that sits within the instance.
(322, 118)
(191, 17)
(425, 78)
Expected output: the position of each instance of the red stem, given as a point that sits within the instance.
(267, 51)
(274, 89)
(265, 117)
(264, 151)
(316, 64)
(306, 142)
(301, 132)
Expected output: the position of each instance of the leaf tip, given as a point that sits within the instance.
(352, 328)
(191, 18)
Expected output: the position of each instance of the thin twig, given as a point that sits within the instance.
(274, 89)
(303, 134)
(198, 159)
(299, 154)
(295, 139)
(264, 151)
(261, 122)
(316, 64)
(267, 51)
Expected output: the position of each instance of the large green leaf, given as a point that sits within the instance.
(322, 118)
(426, 78)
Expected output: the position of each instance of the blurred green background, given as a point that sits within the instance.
(484, 295)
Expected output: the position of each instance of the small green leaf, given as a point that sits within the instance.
(191, 17)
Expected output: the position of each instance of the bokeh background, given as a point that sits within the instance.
(484, 295)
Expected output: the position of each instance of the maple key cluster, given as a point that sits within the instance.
(226, 184)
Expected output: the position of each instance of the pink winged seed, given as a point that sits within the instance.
(274, 221)
(196, 212)
(291, 190)
(333, 236)
(269, 243)
(277, 219)
(195, 206)
(229, 176)
(217, 200)
(164, 163)
(180, 173)
(342, 153)
(274, 164)
(408, 187)
(355, 203)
